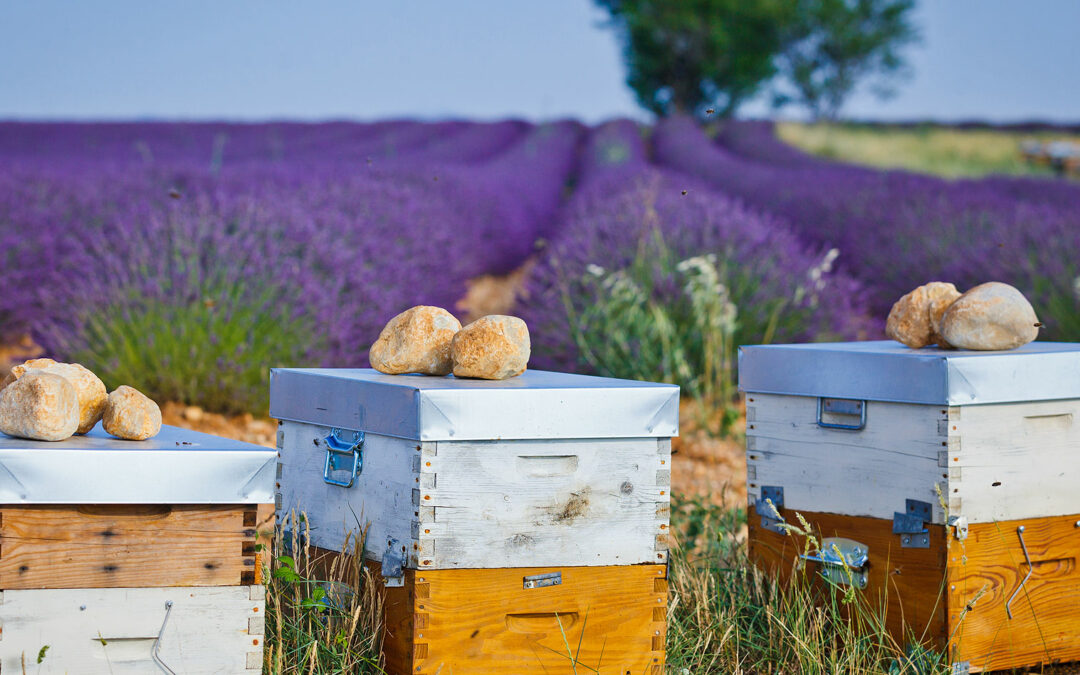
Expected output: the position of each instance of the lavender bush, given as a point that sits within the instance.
(896, 230)
(191, 286)
(661, 278)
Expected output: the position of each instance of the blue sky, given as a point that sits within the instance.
(263, 59)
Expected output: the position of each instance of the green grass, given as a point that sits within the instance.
(209, 351)
(724, 615)
(942, 151)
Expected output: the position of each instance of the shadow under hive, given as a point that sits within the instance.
(942, 484)
(515, 526)
(133, 556)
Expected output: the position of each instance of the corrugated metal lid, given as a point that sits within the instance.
(177, 466)
(888, 371)
(535, 405)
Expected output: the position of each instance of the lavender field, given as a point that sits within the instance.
(188, 258)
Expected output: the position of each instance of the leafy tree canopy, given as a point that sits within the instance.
(689, 55)
(833, 45)
(694, 56)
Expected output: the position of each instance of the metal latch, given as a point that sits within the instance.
(768, 507)
(343, 454)
(961, 525)
(542, 580)
(843, 561)
(911, 525)
(846, 409)
(393, 565)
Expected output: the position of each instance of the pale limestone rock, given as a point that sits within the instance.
(131, 415)
(88, 386)
(493, 347)
(938, 304)
(416, 341)
(41, 406)
(991, 316)
(18, 370)
(911, 320)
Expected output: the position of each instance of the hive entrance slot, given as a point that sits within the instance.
(541, 622)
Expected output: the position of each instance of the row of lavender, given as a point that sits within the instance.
(895, 229)
(187, 256)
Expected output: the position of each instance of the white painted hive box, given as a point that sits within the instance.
(861, 428)
(108, 631)
(543, 469)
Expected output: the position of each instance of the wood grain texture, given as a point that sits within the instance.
(985, 569)
(870, 472)
(908, 582)
(484, 622)
(121, 546)
(1015, 461)
(538, 503)
(265, 519)
(112, 631)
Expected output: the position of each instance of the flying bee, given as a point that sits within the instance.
(684, 192)
(710, 111)
(174, 193)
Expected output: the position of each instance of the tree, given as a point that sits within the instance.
(833, 45)
(690, 55)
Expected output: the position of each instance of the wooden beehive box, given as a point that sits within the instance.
(102, 539)
(478, 484)
(945, 479)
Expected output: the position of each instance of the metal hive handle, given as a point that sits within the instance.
(157, 641)
(1027, 559)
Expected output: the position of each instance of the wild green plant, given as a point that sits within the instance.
(673, 319)
(727, 616)
(323, 612)
(210, 347)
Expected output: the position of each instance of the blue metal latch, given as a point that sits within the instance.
(338, 452)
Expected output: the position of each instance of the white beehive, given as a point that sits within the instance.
(541, 469)
(133, 556)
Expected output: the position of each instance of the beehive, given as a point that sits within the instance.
(546, 495)
(117, 556)
(942, 481)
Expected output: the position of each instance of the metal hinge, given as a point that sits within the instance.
(961, 668)
(911, 525)
(393, 565)
(843, 561)
(768, 507)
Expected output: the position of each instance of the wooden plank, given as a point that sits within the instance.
(907, 582)
(1016, 461)
(985, 569)
(484, 622)
(265, 520)
(870, 472)
(538, 503)
(112, 631)
(381, 497)
(117, 546)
